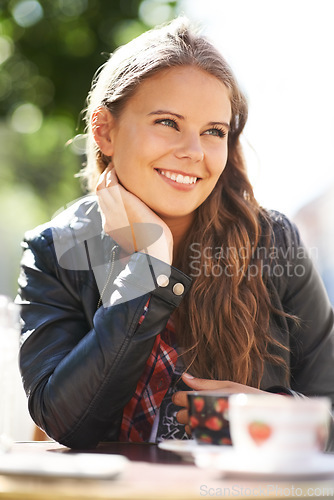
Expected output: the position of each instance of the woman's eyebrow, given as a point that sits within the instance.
(225, 124)
(166, 112)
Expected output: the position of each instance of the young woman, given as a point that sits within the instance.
(170, 277)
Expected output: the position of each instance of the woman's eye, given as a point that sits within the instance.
(218, 132)
(168, 123)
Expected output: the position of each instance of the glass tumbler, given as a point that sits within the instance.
(9, 348)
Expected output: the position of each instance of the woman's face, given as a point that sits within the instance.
(169, 145)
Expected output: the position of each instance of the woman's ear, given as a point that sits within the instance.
(102, 125)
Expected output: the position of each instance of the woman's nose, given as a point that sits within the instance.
(190, 147)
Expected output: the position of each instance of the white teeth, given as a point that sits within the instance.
(179, 178)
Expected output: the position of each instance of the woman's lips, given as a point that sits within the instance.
(178, 180)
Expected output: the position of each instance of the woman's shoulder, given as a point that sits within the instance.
(284, 231)
(71, 239)
(81, 216)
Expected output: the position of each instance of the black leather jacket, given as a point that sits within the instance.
(82, 350)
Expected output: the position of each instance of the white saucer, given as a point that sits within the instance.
(318, 465)
(230, 463)
(188, 448)
(70, 465)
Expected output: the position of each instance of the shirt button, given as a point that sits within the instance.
(162, 280)
(178, 289)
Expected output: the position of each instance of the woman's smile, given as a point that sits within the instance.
(178, 180)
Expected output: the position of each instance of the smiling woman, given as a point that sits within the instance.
(121, 317)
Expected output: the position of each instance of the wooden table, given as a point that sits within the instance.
(152, 473)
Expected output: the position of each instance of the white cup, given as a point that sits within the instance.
(279, 427)
(9, 348)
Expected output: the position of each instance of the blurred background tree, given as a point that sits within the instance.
(49, 52)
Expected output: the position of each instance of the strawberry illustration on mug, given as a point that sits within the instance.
(208, 417)
(199, 404)
(259, 431)
(214, 423)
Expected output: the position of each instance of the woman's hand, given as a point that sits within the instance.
(199, 384)
(131, 223)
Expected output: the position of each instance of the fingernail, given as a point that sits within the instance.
(187, 375)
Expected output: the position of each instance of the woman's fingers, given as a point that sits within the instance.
(101, 184)
(113, 211)
(180, 398)
(188, 430)
(130, 222)
(182, 416)
(201, 384)
(107, 178)
(111, 177)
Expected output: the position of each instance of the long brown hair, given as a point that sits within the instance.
(223, 323)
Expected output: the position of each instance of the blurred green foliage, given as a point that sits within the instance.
(49, 52)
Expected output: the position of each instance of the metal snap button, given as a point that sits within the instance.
(178, 289)
(162, 280)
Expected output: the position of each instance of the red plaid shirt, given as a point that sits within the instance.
(139, 413)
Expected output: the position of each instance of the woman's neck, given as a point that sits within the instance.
(179, 228)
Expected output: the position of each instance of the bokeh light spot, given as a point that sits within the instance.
(27, 119)
(152, 12)
(78, 144)
(125, 31)
(6, 48)
(27, 13)
(73, 8)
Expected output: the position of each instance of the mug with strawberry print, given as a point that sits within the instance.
(280, 426)
(208, 417)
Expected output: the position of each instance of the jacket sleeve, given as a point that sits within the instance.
(80, 371)
(303, 295)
